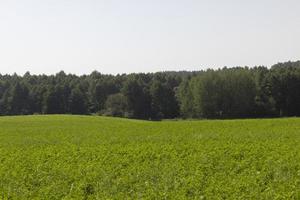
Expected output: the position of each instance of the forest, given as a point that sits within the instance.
(225, 93)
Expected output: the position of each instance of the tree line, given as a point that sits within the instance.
(239, 92)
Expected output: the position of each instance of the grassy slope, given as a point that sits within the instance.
(77, 157)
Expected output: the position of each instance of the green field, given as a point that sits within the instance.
(89, 157)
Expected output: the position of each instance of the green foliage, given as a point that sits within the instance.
(116, 105)
(228, 93)
(186, 99)
(57, 100)
(85, 157)
(137, 95)
(18, 100)
(164, 104)
(77, 102)
(239, 92)
(242, 92)
(284, 83)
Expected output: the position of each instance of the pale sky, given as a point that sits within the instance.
(124, 36)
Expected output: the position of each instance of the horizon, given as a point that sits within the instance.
(153, 72)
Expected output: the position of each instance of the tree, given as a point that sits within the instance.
(100, 91)
(77, 102)
(18, 101)
(116, 105)
(239, 92)
(226, 93)
(164, 103)
(284, 84)
(137, 98)
(56, 100)
(264, 102)
(185, 98)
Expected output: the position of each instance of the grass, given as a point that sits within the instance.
(89, 157)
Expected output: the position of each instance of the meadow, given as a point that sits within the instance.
(90, 157)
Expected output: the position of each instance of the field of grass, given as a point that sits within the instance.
(87, 157)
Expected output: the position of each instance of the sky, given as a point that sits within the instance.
(118, 36)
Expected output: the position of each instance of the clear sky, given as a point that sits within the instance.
(123, 36)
